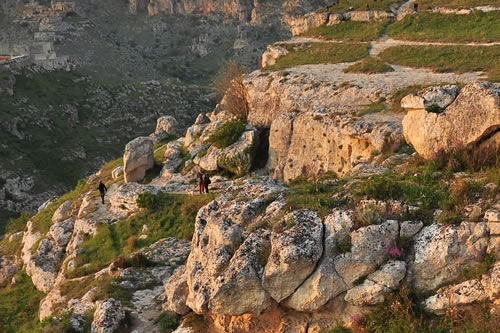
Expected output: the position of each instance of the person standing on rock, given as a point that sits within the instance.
(201, 184)
(102, 189)
(206, 181)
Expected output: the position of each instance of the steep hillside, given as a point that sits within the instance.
(58, 127)
(355, 187)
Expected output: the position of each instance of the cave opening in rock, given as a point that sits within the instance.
(262, 150)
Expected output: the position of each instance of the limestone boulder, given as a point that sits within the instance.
(43, 265)
(296, 247)
(209, 160)
(193, 133)
(491, 283)
(62, 231)
(301, 24)
(63, 212)
(165, 126)
(9, 266)
(137, 159)
(125, 196)
(324, 284)
(410, 228)
(238, 157)
(440, 253)
(271, 54)
(220, 231)
(107, 316)
(117, 172)
(473, 117)
(390, 274)
(337, 147)
(368, 293)
(440, 96)
(368, 15)
(461, 294)
(369, 249)
(238, 289)
(202, 119)
(176, 291)
(172, 160)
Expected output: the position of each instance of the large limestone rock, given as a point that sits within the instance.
(461, 294)
(272, 53)
(107, 316)
(8, 268)
(138, 158)
(473, 116)
(238, 157)
(338, 145)
(390, 274)
(369, 249)
(165, 126)
(62, 231)
(63, 212)
(238, 289)
(176, 291)
(440, 253)
(296, 248)
(439, 96)
(368, 15)
(324, 284)
(43, 265)
(299, 25)
(368, 293)
(221, 253)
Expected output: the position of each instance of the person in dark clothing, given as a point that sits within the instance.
(200, 182)
(206, 181)
(102, 189)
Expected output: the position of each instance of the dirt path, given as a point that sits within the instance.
(385, 42)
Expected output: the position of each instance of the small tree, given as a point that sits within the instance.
(230, 89)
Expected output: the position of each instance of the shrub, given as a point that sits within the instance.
(230, 89)
(434, 108)
(227, 134)
(367, 216)
(168, 322)
(449, 217)
(136, 260)
(343, 245)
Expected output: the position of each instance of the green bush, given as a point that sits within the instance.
(168, 322)
(227, 134)
(343, 245)
(434, 108)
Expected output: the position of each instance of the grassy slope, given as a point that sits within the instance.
(369, 65)
(320, 53)
(174, 218)
(460, 59)
(456, 3)
(349, 31)
(476, 27)
(19, 306)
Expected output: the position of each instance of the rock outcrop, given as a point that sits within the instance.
(176, 291)
(137, 159)
(165, 126)
(442, 252)
(472, 118)
(107, 316)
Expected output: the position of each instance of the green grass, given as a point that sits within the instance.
(227, 134)
(167, 321)
(19, 306)
(315, 195)
(458, 59)
(425, 4)
(173, 217)
(350, 31)
(369, 66)
(320, 53)
(344, 5)
(476, 27)
(374, 107)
